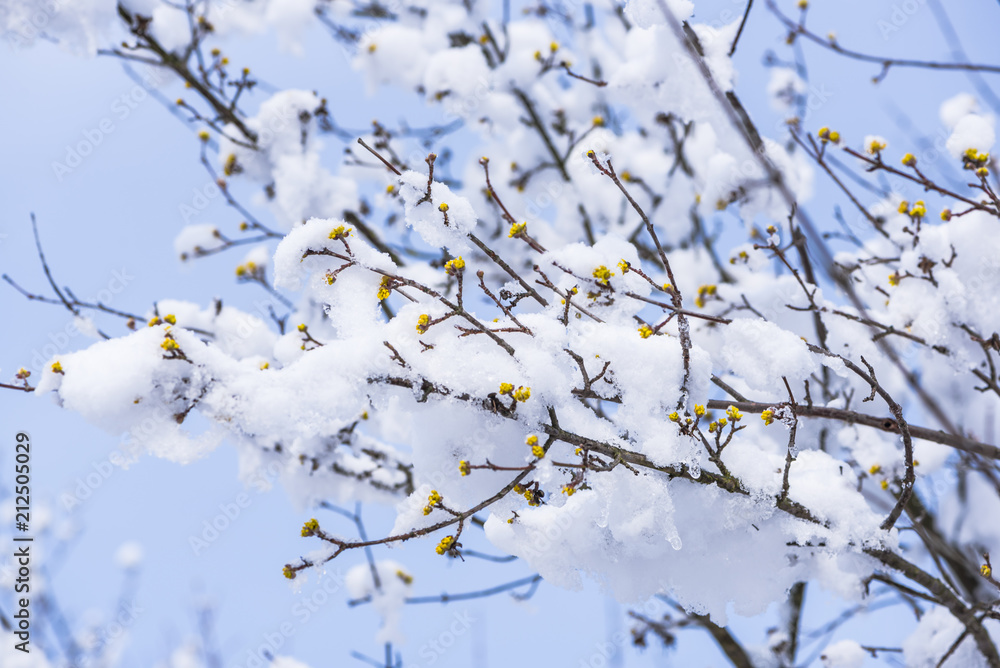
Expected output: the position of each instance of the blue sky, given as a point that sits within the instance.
(110, 224)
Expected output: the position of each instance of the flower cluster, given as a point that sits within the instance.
(827, 135)
(976, 160)
(310, 528)
(432, 500)
(340, 232)
(520, 394)
(383, 289)
(446, 544)
(704, 293)
(603, 274)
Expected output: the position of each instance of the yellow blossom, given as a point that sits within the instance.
(452, 267)
(767, 416)
(423, 322)
(310, 528)
(340, 232)
(464, 467)
(506, 388)
(874, 146)
(445, 544)
(383, 289)
(645, 331)
(703, 292)
(603, 274)
(517, 229)
(909, 160)
(826, 134)
(521, 393)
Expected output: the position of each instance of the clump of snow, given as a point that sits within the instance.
(956, 108)
(287, 662)
(79, 26)
(195, 239)
(784, 87)
(171, 27)
(761, 352)
(288, 158)
(427, 216)
(392, 54)
(715, 43)
(972, 131)
(934, 636)
(388, 598)
(843, 654)
(129, 555)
